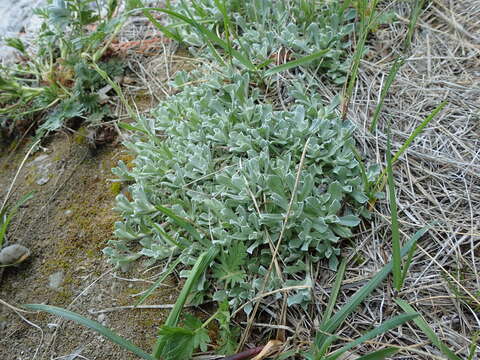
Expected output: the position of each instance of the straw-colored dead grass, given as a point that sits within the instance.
(438, 179)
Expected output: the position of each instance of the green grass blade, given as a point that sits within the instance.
(396, 258)
(367, 16)
(335, 290)
(408, 261)
(138, 4)
(203, 261)
(162, 28)
(166, 236)
(336, 320)
(5, 217)
(161, 279)
(208, 35)
(413, 22)
(298, 62)
(210, 45)
(418, 130)
(410, 139)
(127, 126)
(422, 324)
(379, 354)
(363, 170)
(472, 349)
(227, 24)
(399, 61)
(383, 328)
(109, 334)
(322, 350)
(19, 203)
(183, 223)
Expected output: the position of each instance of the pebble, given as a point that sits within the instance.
(55, 280)
(13, 254)
(52, 326)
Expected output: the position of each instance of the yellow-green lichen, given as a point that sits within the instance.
(81, 136)
(115, 188)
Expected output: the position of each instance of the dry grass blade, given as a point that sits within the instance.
(251, 318)
(298, 62)
(422, 324)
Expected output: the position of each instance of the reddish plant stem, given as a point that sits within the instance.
(244, 355)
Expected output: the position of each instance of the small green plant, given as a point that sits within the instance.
(7, 213)
(261, 32)
(228, 158)
(55, 81)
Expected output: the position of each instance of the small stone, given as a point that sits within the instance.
(55, 280)
(42, 169)
(68, 212)
(39, 159)
(13, 254)
(52, 326)
(43, 180)
(101, 318)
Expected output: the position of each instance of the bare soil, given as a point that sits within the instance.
(66, 225)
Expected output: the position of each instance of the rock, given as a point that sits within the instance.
(17, 19)
(55, 280)
(43, 168)
(13, 254)
(43, 180)
(101, 319)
